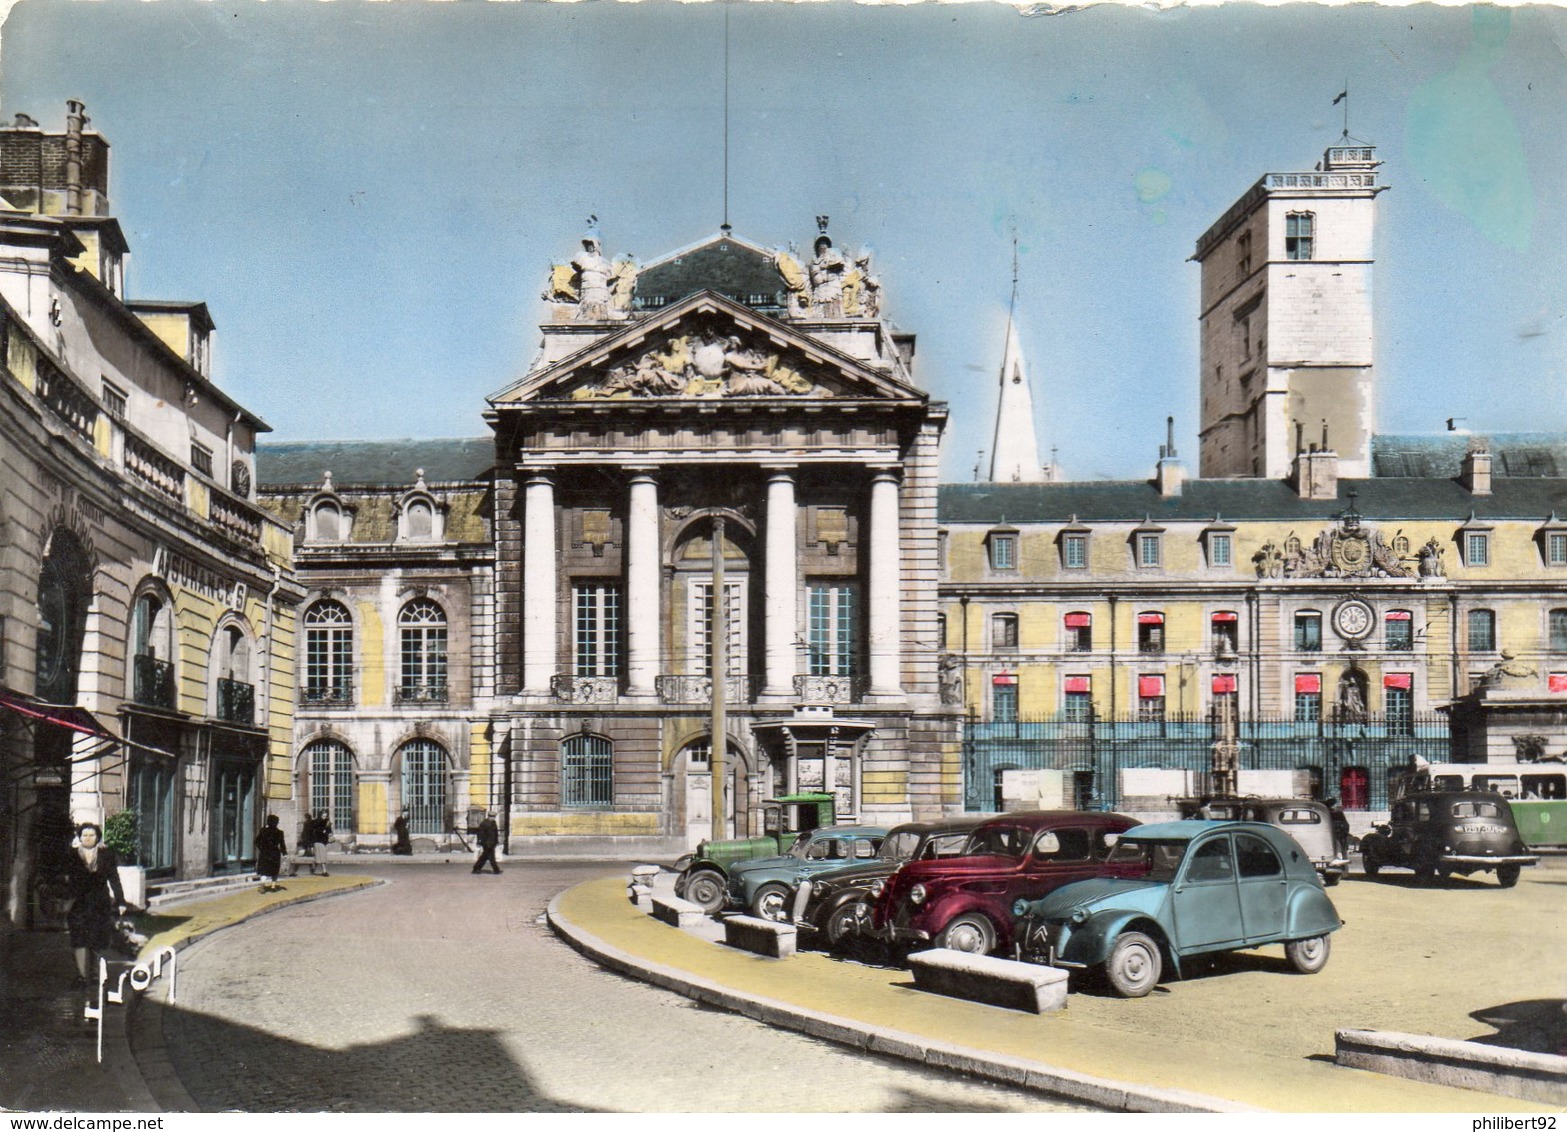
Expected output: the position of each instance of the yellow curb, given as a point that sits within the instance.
(203, 917)
(1239, 1058)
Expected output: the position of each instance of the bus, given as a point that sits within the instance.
(1536, 791)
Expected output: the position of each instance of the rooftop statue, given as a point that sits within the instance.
(792, 272)
(599, 290)
(622, 285)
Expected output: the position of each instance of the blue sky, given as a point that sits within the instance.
(367, 195)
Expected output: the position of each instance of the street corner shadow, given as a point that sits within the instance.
(1537, 1025)
(152, 924)
(1404, 879)
(225, 1066)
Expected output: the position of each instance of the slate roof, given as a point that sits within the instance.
(373, 463)
(1233, 499)
(1513, 454)
(731, 266)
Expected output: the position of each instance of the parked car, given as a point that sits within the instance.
(703, 876)
(762, 886)
(965, 902)
(1311, 823)
(1186, 888)
(835, 906)
(1441, 832)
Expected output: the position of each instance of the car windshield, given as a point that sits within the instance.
(1476, 810)
(1160, 859)
(999, 841)
(899, 847)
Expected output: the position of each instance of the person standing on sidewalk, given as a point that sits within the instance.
(489, 838)
(321, 835)
(270, 849)
(92, 875)
(401, 846)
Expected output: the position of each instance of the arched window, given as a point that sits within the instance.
(422, 628)
(236, 695)
(424, 786)
(587, 771)
(331, 768)
(152, 650)
(329, 654)
(328, 522)
(419, 520)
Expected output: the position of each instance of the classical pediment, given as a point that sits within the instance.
(707, 348)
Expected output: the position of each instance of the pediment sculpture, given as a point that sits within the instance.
(704, 365)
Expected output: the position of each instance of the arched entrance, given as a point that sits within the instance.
(694, 787)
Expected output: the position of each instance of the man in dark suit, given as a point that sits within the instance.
(489, 838)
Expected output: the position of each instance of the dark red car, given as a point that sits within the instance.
(965, 902)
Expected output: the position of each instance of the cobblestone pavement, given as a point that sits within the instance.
(445, 991)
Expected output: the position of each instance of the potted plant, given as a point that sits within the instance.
(120, 834)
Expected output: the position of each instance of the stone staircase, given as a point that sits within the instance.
(161, 895)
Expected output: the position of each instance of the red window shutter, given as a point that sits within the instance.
(1223, 684)
(1004, 678)
(1150, 686)
(1150, 619)
(1397, 680)
(1558, 682)
(1308, 682)
(1398, 615)
(1225, 616)
(1077, 621)
(1077, 683)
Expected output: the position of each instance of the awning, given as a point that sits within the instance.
(1397, 680)
(1150, 619)
(1223, 684)
(1077, 683)
(1225, 615)
(1004, 679)
(61, 715)
(1308, 682)
(1558, 683)
(1077, 620)
(1150, 687)
(1398, 615)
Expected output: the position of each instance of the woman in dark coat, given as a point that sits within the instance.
(92, 876)
(270, 848)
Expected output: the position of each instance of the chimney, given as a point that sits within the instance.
(74, 121)
(1316, 473)
(1169, 473)
(1476, 474)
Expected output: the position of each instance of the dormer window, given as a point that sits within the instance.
(1148, 546)
(1474, 542)
(1552, 537)
(1218, 541)
(1003, 548)
(1300, 233)
(1073, 542)
(326, 522)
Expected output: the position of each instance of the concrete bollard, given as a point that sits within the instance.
(988, 979)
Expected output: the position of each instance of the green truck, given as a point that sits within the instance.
(704, 875)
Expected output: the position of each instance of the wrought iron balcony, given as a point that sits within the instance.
(830, 689)
(236, 702)
(586, 689)
(699, 689)
(153, 682)
(428, 693)
(327, 695)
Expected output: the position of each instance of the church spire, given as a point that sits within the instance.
(1014, 455)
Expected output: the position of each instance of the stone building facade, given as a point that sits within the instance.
(146, 603)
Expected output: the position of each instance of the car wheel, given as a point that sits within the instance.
(1308, 956)
(843, 923)
(1134, 965)
(1507, 875)
(1330, 879)
(971, 933)
(771, 902)
(707, 889)
(1370, 861)
(1425, 871)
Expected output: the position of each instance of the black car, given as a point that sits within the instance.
(1442, 832)
(835, 906)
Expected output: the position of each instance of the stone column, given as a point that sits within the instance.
(783, 586)
(885, 583)
(538, 584)
(643, 648)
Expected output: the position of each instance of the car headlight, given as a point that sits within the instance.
(1019, 906)
(877, 886)
(917, 894)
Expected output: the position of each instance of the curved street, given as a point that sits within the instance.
(445, 991)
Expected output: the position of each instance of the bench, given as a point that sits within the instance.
(677, 913)
(764, 937)
(641, 887)
(988, 979)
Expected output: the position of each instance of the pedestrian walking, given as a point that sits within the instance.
(322, 835)
(92, 874)
(1340, 828)
(489, 838)
(270, 848)
(401, 846)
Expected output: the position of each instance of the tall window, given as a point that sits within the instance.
(1150, 632)
(597, 629)
(1300, 231)
(1003, 698)
(702, 625)
(1003, 631)
(1074, 551)
(1226, 633)
(1399, 703)
(1398, 631)
(1079, 632)
(587, 771)
(1308, 631)
(831, 644)
(1559, 630)
(422, 628)
(1308, 697)
(1225, 697)
(152, 664)
(329, 654)
(424, 786)
(1150, 698)
(1243, 254)
(332, 782)
(1077, 699)
(1482, 630)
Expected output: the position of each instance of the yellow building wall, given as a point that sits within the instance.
(597, 823)
(480, 765)
(371, 808)
(173, 329)
(885, 786)
(372, 688)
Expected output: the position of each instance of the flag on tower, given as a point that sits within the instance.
(1342, 95)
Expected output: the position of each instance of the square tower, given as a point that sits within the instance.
(1286, 329)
